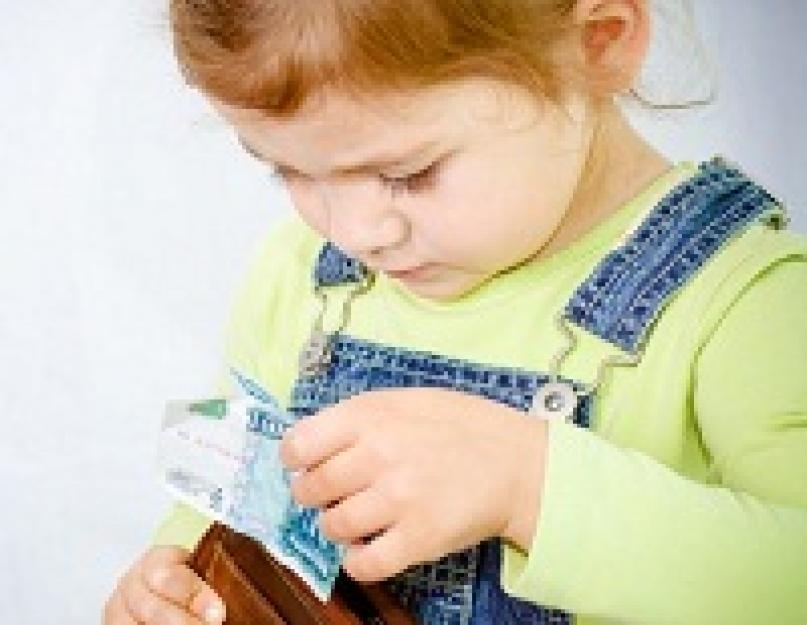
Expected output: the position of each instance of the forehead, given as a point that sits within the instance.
(337, 126)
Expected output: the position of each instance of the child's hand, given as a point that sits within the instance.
(424, 472)
(160, 589)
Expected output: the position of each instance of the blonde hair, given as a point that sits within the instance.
(272, 55)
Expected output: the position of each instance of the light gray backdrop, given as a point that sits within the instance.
(127, 214)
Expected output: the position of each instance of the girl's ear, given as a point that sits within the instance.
(614, 37)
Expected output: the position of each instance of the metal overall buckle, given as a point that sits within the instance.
(315, 355)
(558, 400)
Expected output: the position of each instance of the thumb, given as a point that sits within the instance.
(170, 577)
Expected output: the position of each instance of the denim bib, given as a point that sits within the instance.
(618, 302)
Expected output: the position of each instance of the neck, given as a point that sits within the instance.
(619, 165)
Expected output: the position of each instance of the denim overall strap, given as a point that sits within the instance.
(334, 267)
(630, 287)
(619, 302)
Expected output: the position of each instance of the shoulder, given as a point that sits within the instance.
(764, 284)
(273, 303)
(749, 395)
(760, 263)
(278, 276)
(756, 277)
(754, 342)
(288, 249)
(280, 264)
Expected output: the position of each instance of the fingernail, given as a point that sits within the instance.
(214, 614)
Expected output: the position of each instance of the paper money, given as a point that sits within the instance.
(221, 456)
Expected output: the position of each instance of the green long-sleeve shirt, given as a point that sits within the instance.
(686, 501)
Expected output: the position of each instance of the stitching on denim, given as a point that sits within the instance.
(626, 292)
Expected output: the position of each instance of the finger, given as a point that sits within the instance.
(363, 514)
(183, 587)
(318, 437)
(341, 475)
(116, 613)
(149, 608)
(378, 559)
(166, 555)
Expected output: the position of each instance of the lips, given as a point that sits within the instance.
(414, 273)
(397, 271)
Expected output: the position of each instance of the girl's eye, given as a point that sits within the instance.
(283, 175)
(419, 181)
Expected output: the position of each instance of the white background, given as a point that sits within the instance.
(126, 216)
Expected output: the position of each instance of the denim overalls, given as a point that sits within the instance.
(618, 302)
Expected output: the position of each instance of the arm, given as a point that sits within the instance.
(623, 536)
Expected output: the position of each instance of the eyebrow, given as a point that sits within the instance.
(383, 161)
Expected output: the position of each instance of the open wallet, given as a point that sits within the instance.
(257, 590)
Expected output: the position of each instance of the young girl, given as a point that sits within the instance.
(545, 374)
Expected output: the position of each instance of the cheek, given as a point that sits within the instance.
(309, 205)
(491, 221)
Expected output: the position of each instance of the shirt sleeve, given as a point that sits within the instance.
(280, 259)
(623, 537)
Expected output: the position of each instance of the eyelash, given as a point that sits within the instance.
(418, 181)
(281, 175)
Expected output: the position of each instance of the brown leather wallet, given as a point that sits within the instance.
(257, 590)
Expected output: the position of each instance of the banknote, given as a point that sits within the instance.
(221, 456)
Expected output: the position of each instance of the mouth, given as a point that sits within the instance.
(414, 274)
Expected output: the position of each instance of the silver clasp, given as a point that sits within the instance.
(315, 356)
(559, 400)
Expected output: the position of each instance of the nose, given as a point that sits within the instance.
(361, 217)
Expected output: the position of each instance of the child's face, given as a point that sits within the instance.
(493, 181)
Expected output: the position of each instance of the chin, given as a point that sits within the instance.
(442, 292)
